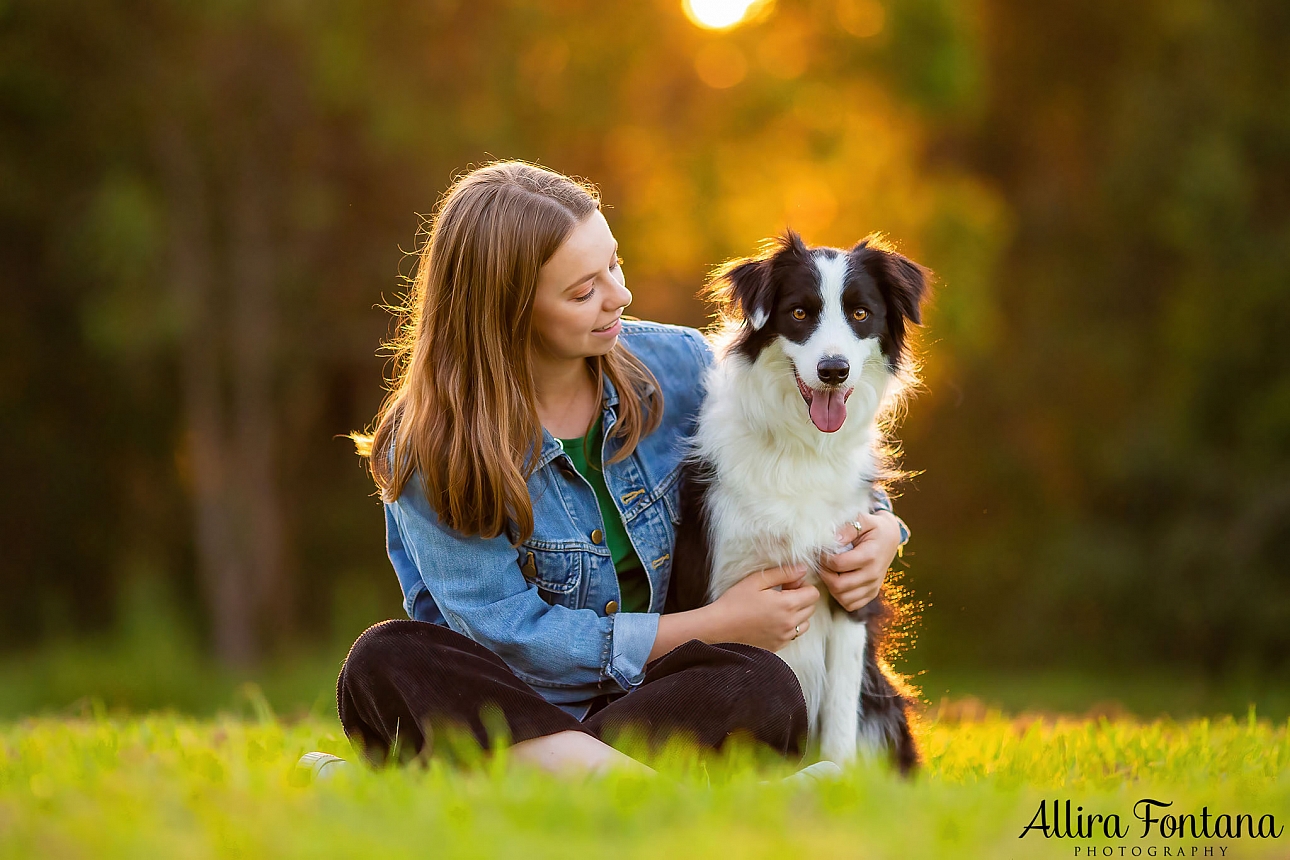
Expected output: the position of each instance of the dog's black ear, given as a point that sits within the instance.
(904, 286)
(791, 243)
(902, 281)
(750, 282)
(750, 287)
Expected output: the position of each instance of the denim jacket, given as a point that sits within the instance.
(549, 609)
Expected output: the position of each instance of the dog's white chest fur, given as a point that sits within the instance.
(783, 491)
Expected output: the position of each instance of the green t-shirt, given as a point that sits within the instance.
(633, 583)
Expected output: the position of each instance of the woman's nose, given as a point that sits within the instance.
(620, 296)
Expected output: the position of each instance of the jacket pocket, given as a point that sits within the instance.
(556, 573)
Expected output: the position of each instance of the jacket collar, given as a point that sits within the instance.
(611, 393)
(610, 397)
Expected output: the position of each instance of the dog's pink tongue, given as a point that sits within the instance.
(828, 409)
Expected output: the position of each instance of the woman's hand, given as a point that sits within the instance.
(768, 608)
(855, 576)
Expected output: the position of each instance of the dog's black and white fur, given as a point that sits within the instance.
(786, 451)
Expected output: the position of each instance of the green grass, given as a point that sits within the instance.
(138, 746)
(165, 785)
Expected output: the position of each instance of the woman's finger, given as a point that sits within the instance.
(838, 562)
(833, 581)
(859, 579)
(857, 598)
(802, 614)
(869, 578)
(785, 575)
(806, 596)
(800, 627)
(798, 610)
(853, 559)
(849, 534)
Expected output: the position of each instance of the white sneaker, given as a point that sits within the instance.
(316, 766)
(822, 771)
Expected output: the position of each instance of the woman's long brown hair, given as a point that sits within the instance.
(462, 406)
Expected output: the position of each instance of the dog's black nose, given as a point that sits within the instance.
(833, 369)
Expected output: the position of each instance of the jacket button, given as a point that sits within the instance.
(597, 536)
(611, 607)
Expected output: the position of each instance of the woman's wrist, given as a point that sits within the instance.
(890, 524)
(707, 624)
(712, 623)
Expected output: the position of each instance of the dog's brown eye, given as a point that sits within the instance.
(799, 314)
(859, 315)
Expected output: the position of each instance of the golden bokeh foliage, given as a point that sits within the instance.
(205, 207)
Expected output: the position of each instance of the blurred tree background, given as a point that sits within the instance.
(203, 206)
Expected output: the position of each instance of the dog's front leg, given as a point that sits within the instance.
(840, 714)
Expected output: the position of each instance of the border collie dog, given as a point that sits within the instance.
(787, 448)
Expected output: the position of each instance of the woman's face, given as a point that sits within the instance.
(581, 294)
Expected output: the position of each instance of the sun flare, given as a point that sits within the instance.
(718, 14)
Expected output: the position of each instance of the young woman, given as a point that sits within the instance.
(527, 457)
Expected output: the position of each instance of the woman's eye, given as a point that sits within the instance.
(618, 262)
(860, 314)
(799, 314)
(588, 294)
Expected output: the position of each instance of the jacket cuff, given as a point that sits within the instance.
(882, 502)
(631, 637)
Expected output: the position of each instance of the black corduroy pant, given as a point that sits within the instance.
(405, 681)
